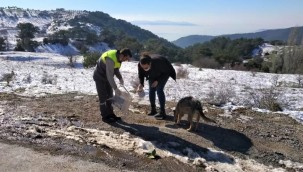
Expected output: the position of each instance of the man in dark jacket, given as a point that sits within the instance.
(107, 66)
(157, 70)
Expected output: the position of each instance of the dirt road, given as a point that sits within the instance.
(15, 158)
(267, 138)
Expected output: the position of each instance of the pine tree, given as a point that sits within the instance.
(26, 34)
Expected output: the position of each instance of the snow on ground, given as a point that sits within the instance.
(264, 49)
(49, 73)
(41, 73)
(37, 74)
(268, 48)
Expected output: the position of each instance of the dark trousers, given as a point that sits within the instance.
(105, 92)
(160, 93)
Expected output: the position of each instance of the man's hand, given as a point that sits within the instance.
(154, 84)
(140, 88)
(117, 92)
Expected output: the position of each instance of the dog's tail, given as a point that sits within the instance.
(199, 108)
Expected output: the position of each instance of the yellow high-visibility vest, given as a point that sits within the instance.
(112, 55)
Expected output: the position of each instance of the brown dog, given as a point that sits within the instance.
(189, 105)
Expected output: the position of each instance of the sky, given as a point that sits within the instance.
(61, 78)
(172, 19)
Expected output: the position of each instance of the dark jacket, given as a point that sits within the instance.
(160, 70)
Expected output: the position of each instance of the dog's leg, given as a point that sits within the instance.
(197, 123)
(190, 120)
(179, 116)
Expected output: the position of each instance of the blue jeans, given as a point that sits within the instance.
(160, 93)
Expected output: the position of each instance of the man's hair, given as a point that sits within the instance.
(145, 58)
(126, 52)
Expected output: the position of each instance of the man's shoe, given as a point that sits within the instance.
(152, 113)
(160, 116)
(113, 116)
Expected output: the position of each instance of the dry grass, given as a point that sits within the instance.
(182, 72)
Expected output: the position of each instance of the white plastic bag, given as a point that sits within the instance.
(122, 102)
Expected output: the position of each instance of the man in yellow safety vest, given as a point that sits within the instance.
(107, 67)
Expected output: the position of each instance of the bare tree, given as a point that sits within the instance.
(300, 80)
(292, 55)
(275, 80)
(70, 54)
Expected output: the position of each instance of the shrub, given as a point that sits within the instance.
(8, 77)
(182, 72)
(300, 80)
(45, 41)
(266, 98)
(206, 63)
(71, 61)
(221, 94)
(240, 67)
(49, 79)
(28, 79)
(90, 59)
(254, 64)
(19, 47)
(275, 80)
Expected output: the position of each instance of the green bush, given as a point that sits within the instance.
(90, 59)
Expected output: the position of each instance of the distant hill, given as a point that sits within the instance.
(267, 35)
(192, 39)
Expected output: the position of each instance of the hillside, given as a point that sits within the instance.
(52, 21)
(267, 35)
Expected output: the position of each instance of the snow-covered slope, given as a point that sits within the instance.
(47, 21)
